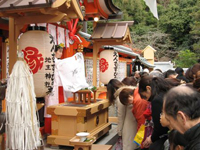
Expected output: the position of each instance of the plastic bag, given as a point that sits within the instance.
(139, 135)
(119, 145)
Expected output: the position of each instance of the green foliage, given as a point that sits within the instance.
(185, 59)
(177, 30)
(195, 31)
(178, 27)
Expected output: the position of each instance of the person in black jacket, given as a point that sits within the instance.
(181, 108)
(153, 90)
(180, 73)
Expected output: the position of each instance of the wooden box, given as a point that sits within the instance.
(69, 119)
(84, 97)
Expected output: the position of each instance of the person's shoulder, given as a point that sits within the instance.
(158, 97)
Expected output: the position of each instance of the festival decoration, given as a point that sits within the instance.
(22, 125)
(38, 48)
(152, 4)
(108, 64)
(72, 26)
(61, 35)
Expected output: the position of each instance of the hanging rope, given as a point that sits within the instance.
(22, 125)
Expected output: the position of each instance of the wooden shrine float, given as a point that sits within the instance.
(71, 118)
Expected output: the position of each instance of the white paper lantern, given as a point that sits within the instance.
(38, 48)
(108, 64)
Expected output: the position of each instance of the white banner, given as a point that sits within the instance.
(52, 31)
(61, 35)
(67, 38)
(152, 4)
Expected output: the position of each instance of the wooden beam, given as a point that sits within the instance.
(58, 3)
(41, 19)
(127, 36)
(50, 11)
(77, 9)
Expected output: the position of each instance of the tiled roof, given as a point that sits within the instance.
(118, 48)
(143, 61)
(116, 30)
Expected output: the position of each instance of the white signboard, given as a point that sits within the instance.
(52, 30)
(89, 71)
(121, 71)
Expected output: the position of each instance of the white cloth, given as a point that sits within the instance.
(72, 73)
(152, 4)
(69, 73)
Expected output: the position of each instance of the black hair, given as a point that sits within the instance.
(129, 81)
(169, 72)
(143, 74)
(159, 70)
(160, 85)
(187, 101)
(192, 71)
(144, 82)
(175, 139)
(124, 95)
(112, 86)
(179, 70)
(157, 84)
(57, 47)
(173, 81)
(196, 84)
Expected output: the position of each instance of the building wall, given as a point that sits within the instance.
(164, 66)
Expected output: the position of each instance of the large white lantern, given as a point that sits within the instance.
(108, 64)
(38, 48)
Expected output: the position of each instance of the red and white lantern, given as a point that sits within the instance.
(108, 64)
(38, 49)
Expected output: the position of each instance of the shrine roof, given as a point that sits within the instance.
(70, 9)
(143, 61)
(115, 30)
(119, 48)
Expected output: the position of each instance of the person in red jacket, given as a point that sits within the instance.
(139, 107)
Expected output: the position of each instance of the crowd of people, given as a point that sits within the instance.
(166, 103)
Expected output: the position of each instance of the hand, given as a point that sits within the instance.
(147, 142)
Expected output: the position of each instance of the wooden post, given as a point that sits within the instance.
(84, 98)
(4, 60)
(96, 48)
(79, 97)
(14, 32)
(74, 97)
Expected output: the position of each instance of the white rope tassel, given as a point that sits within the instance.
(22, 125)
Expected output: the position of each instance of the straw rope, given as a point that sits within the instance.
(22, 125)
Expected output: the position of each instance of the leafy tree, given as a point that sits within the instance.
(177, 22)
(185, 59)
(177, 29)
(195, 32)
